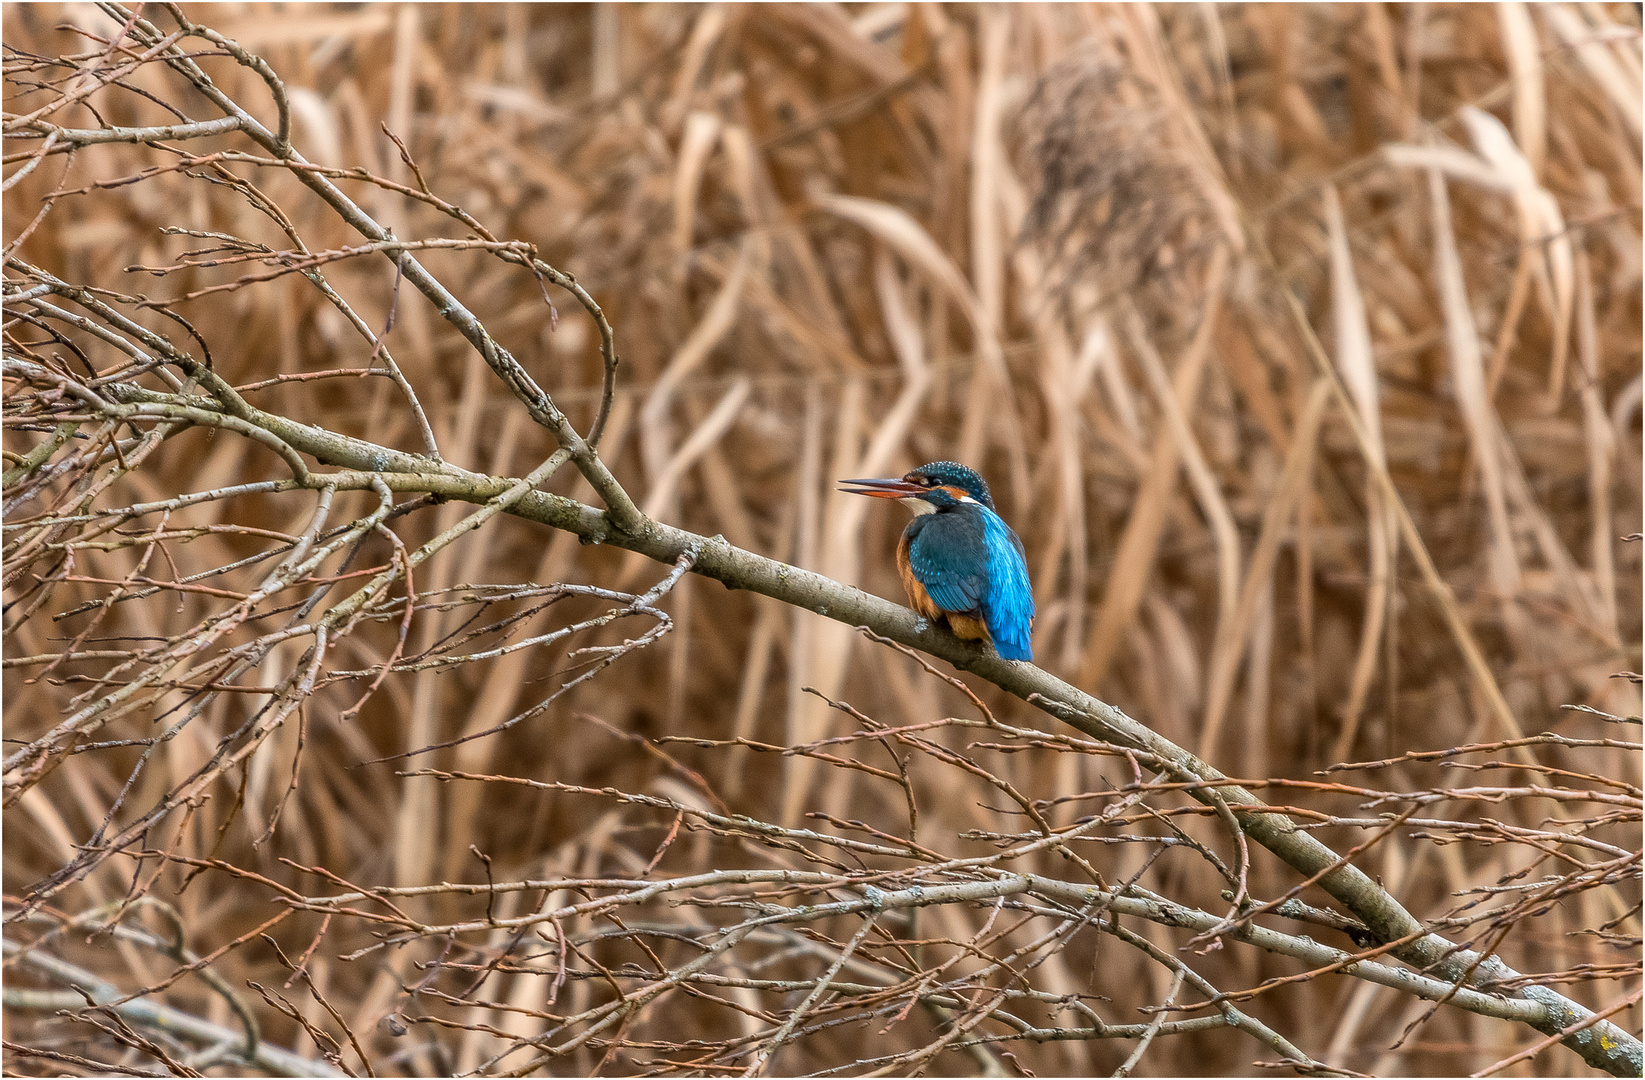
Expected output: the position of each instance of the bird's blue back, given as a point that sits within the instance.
(969, 560)
(1008, 605)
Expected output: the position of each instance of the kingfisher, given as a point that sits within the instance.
(959, 560)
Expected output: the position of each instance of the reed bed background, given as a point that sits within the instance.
(1058, 242)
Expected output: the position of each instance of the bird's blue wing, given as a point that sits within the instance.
(948, 554)
(1008, 603)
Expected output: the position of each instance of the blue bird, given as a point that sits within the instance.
(960, 561)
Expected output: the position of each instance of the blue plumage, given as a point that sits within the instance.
(1008, 605)
(948, 554)
(960, 561)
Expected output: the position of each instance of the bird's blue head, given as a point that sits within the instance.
(941, 485)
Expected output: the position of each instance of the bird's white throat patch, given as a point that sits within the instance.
(918, 505)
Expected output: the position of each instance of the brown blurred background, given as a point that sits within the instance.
(844, 240)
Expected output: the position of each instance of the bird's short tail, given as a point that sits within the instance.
(1014, 650)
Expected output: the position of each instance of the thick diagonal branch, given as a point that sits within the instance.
(1602, 1045)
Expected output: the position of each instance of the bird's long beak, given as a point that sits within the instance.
(883, 489)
